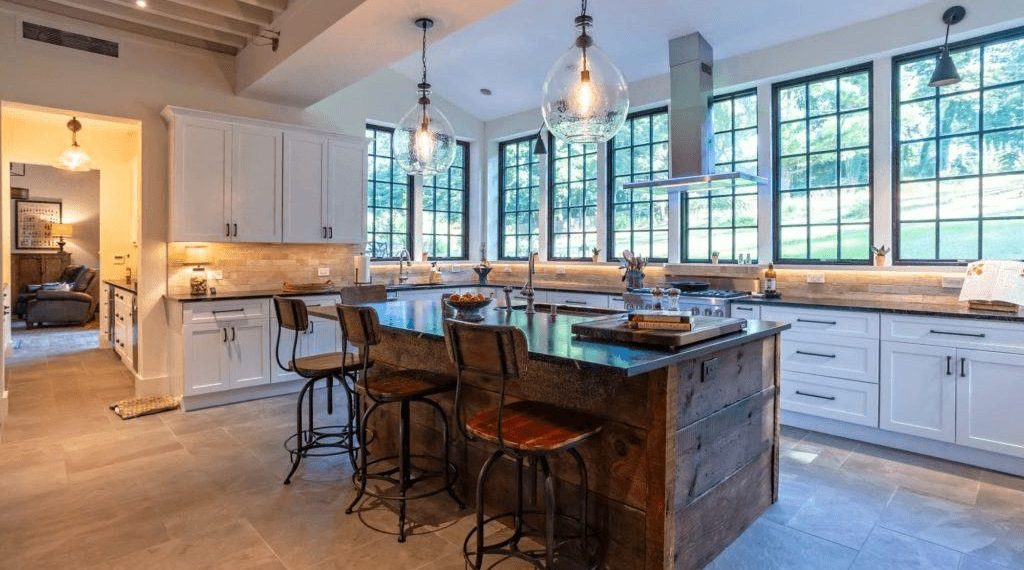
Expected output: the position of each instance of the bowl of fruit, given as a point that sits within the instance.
(468, 306)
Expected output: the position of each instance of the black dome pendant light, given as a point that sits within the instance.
(945, 70)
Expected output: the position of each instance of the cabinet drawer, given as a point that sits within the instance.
(826, 355)
(966, 333)
(222, 311)
(843, 400)
(577, 299)
(745, 311)
(818, 321)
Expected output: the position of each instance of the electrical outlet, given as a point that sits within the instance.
(218, 274)
(323, 271)
(952, 281)
(709, 370)
(506, 269)
(560, 270)
(816, 277)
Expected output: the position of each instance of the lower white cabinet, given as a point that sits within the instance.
(577, 299)
(225, 356)
(918, 390)
(834, 398)
(990, 400)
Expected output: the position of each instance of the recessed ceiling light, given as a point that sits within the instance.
(141, 3)
(485, 91)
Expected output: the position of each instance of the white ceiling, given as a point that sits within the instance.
(510, 51)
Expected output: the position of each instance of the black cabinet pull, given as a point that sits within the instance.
(236, 229)
(951, 333)
(818, 354)
(225, 331)
(238, 310)
(330, 229)
(963, 367)
(949, 364)
(323, 232)
(809, 395)
(744, 308)
(816, 322)
(233, 334)
(227, 230)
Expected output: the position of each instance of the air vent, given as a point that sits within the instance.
(71, 40)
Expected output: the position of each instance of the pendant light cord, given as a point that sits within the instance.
(583, 14)
(423, 52)
(424, 121)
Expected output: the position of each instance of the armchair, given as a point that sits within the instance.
(76, 306)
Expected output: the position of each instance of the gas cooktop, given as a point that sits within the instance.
(715, 294)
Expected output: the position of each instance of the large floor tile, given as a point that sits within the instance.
(768, 546)
(895, 551)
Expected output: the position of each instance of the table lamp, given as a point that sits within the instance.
(61, 231)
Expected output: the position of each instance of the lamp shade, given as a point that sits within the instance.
(196, 255)
(945, 71)
(61, 230)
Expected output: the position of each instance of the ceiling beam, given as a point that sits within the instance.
(277, 6)
(191, 15)
(156, 21)
(233, 9)
(66, 9)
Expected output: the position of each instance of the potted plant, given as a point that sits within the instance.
(595, 254)
(880, 253)
(714, 257)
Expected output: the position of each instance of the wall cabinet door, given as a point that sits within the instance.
(918, 390)
(256, 185)
(305, 180)
(248, 356)
(206, 359)
(201, 180)
(345, 196)
(990, 397)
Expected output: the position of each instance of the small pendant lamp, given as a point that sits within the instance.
(945, 70)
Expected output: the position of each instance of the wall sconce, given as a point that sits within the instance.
(61, 231)
(198, 257)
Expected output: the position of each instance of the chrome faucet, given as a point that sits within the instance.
(527, 291)
(404, 262)
(508, 298)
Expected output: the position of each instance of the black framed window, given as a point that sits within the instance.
(446, 209)
(822, 158)
(572, 199)
(725, 219)
(958, 164)
(519, 200)
(389, 207)
(638, 218)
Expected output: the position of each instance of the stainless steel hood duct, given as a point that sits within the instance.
(690, 134)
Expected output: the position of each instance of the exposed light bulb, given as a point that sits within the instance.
(583, 95)
(74, 159)
(424, 142)
(141, 3)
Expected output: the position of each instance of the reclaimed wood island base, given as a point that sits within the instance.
(689, 450)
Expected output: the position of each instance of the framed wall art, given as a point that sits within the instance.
(32, 221)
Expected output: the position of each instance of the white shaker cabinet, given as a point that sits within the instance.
(346, 191)
(225, 356)
(256, 184)
(200, 179)
(305, 188)
(247, 351)
(990, 398)
(918, 390)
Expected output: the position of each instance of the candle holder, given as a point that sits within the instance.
(481, 273)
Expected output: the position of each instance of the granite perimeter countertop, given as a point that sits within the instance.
(551, 338)
(885, 306)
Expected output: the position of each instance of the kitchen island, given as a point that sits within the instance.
(689, 451)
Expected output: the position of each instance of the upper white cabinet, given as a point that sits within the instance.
(242, 180)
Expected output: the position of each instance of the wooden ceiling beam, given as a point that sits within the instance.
(155, 21)
(233, 9)
(277, 6)
(190, 15)
(68, 9)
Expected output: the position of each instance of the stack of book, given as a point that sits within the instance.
(660, 320)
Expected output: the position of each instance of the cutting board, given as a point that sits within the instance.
(616, 329)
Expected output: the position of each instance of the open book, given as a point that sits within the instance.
(994, 282)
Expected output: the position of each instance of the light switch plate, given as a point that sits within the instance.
(816, 277)
(323, 271)
(952, 281)
(560, 270)
(218, 274)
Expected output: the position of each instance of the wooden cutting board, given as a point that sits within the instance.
(616, 329)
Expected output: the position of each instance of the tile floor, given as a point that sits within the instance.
(80, 488)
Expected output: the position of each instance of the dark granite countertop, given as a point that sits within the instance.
(551, 339)
(262, 294)
(885, 306)
(120, 285)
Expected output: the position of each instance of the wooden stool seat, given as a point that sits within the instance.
(327, 363)
(534, 426)
(406, 384)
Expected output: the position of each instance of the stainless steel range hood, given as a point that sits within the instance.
(690, 134)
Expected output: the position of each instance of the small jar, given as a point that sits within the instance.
(657, 295)
(671, 299)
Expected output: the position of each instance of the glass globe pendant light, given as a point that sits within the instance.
(74, 158)
(585, 96)
(424, 141)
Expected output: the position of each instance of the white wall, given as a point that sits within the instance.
(875, 40)
(79, 195)
(149, 75)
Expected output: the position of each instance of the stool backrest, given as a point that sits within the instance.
(359, 294)
(497, 352)
(291, 315)
(361, 328)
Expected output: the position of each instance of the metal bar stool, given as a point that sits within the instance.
(313, 440)
(360, 327)
(523, 431)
